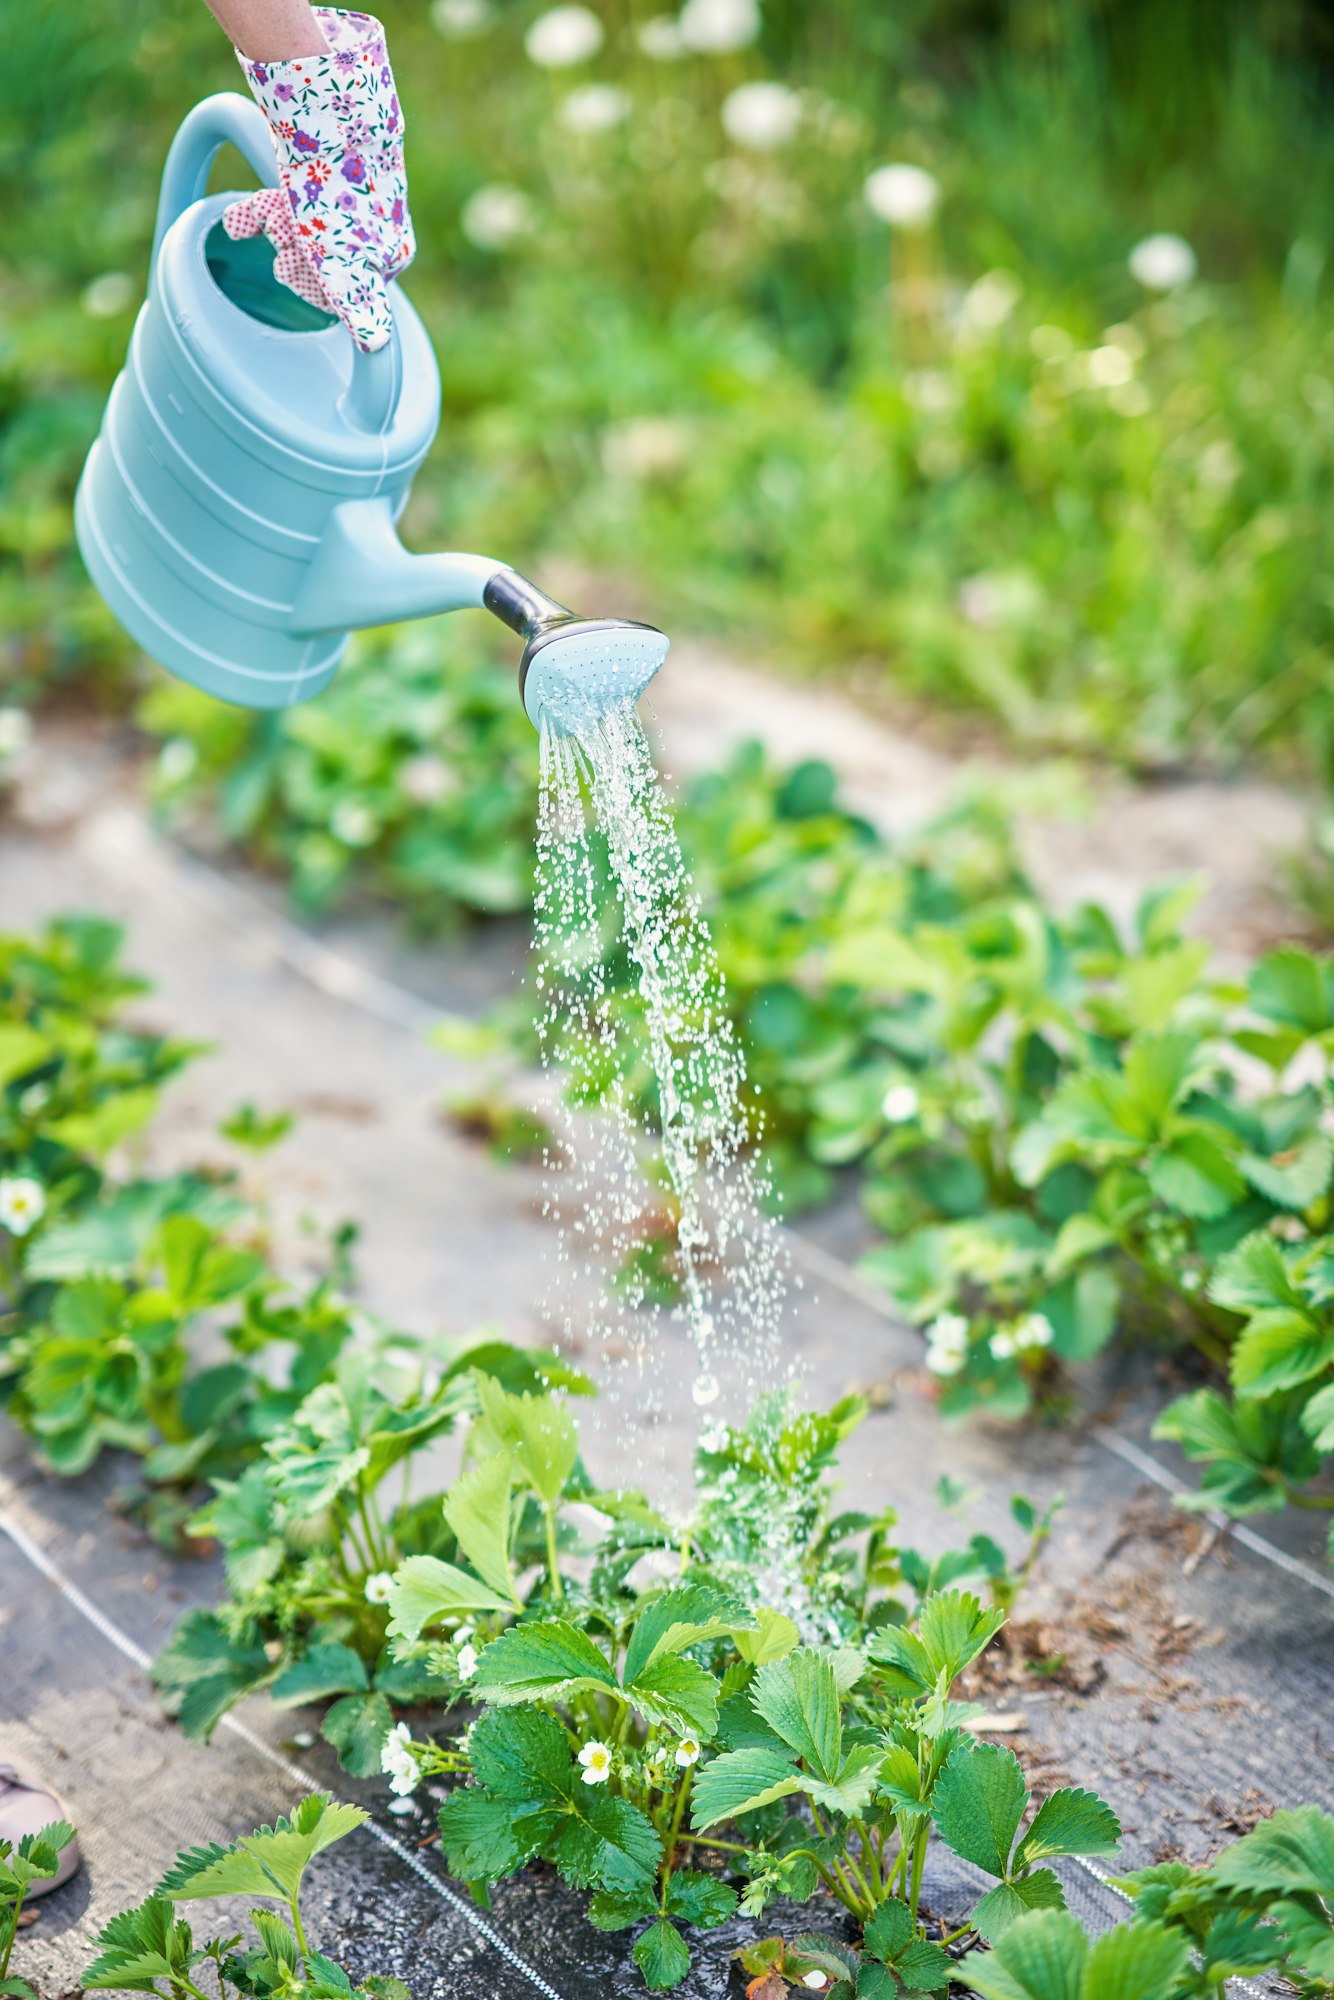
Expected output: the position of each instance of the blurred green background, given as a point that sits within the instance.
(953, 435)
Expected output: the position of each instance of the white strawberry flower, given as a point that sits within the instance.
(465, 1662)
(687, 1752)
(947, 1344)
(22, 1204)
(596, 1760)
(378, 1587)
(901, 1104)
(399, 1762)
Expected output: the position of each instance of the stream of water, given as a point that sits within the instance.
(655, 1144)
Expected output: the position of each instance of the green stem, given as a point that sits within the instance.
(1311, 1499)
(669, 1845)
(723, 1846)
(302, 1946)
(12, 1930)
(918, 1867)
(857, 1864)
(553, 1564)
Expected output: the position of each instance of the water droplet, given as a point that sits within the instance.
(705, 1390)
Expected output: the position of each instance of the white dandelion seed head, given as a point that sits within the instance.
(595, 108)
(716, 27)
(461, 20)
(903, 195)
(761, 116)
(563, 37)
(660, 39)
(1162, 262)
(496, 216)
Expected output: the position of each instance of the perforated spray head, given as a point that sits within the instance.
(574, 670)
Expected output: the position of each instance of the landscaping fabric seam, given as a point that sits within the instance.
(33, 1552)
(341, 978)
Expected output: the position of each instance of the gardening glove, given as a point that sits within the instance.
(338, 221)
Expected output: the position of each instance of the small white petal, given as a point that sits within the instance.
(901, 1104)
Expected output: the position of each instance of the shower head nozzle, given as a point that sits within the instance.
(574, 670)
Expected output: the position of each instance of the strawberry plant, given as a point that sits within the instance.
(35, 1857)
(151, 1949)
(687, 1721)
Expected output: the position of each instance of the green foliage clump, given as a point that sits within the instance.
(150, 1949)
(310, 1538)
(760, 1695)
(1263, 1907)
(109, 1274)
(407, 776)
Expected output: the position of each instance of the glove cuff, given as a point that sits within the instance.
(338, 132)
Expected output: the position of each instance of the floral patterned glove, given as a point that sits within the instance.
(339, 221)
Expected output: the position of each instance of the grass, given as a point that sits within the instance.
(1096, 516)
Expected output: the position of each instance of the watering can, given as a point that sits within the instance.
(237, 511)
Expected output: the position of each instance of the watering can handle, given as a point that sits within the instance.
(226, 117)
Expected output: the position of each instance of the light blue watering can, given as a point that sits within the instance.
(237, 511)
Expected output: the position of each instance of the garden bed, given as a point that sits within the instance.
(1194, 1675)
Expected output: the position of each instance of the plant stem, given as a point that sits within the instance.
(723, 1846)
(12, 1930)
(295, 1908)
(669, 1846)
(553, 1564)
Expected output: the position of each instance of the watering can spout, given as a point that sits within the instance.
(362, 575)
(573, 670)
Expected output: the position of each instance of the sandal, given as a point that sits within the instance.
(27, 1804)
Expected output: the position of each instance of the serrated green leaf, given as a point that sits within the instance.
(700, 1899)
(1254, 1276)
(323, 1670)
(1318, 1419)
(1071, 1821)
(538, 1430)
(1296, 1178)
(662, 1956)
(799, 1699)
(1294, 987)
(978, 1802)
(268, 1862)
(478, 1835)
(773, 1636)
(608, 1911)
(543, 1661)
(678, 1692)
(686, 1616)
(1292, 1852)
(601, 1841)
(740, 1781)
(521, 1754)
(138, 1946)
(424, 1588)
(356, 1726)
(1042, 1958)
(853, 1787)
(477, 1508)
(277, 1938)
(1193, 1175)
(1009, 1901)
(1279, 1349)
(1130, 1962)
